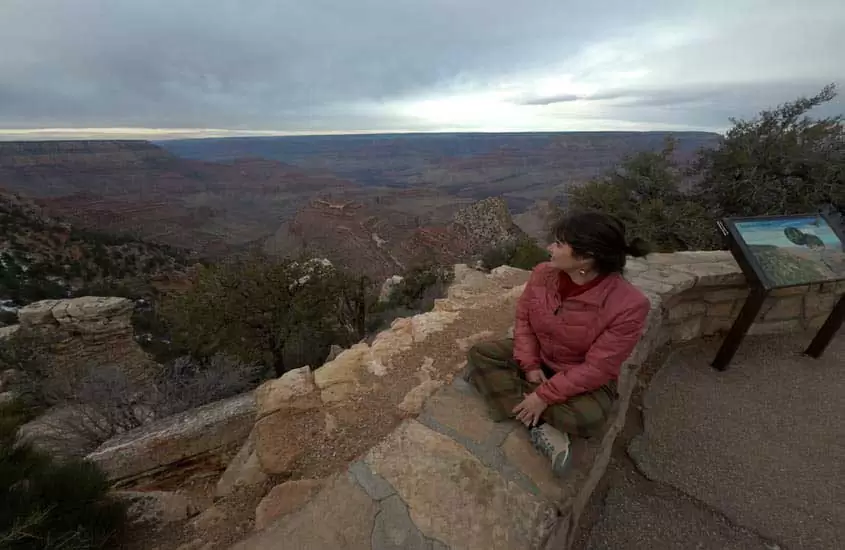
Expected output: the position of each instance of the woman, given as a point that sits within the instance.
(577, 321)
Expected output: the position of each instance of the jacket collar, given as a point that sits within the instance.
(595, 296)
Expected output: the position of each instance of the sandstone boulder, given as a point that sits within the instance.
(6, 332)
(243, 471)
(97, 310)
(343, 376)
(469, 279)
(284, 499)
(37, 313)
(295, 390)
(347, 375)
(281, 438)
(92, 313)
(284, 409)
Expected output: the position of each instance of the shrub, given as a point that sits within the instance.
(46, 505)
(86, 406)
(8, 317)
(186, 383)
(780, 162)
(645, 193)
(522, 254)
(101, 402)
(260, 310)
(420, 286)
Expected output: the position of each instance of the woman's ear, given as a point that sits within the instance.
(587, 262)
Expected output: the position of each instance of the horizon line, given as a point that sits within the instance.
(169, 134)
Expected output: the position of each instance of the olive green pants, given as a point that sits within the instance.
(496, 375)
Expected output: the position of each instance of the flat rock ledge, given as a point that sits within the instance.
(191, 435)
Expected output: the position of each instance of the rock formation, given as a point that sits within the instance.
(140, 188)
(487, 223)
(87, 331)
(379, 241)
(388, 286)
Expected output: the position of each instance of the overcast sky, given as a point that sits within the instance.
(163, 68)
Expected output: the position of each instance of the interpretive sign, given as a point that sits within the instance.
(780, 252)
(790, 250)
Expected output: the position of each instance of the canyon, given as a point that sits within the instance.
(376, 202)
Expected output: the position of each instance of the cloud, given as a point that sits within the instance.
(548, 100)
(396, 65)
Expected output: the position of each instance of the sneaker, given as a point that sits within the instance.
(554, 445)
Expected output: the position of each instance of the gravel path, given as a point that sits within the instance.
(753, 457)
(638, 513)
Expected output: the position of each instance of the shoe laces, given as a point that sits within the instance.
(542, 442)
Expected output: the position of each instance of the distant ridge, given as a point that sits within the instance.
(224, 196)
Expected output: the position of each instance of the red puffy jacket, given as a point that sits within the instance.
(584, 339)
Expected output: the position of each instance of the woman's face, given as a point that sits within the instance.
(563, 257)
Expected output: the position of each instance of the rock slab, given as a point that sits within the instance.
(284, 499)
(341, 516)
(186, 435)
(455, 499)
(243, 471)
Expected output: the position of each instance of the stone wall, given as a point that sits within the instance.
(711, 305)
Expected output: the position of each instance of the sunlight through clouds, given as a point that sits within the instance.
(185, 67)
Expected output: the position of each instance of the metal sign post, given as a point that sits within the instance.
(743, 322)
(825, 334)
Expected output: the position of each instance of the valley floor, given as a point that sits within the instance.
(750, 458)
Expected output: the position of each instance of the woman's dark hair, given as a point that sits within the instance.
(601, 237)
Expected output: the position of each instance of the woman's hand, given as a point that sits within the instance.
(529, 410)
(536, 376)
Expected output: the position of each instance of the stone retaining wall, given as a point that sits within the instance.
(711, 307)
